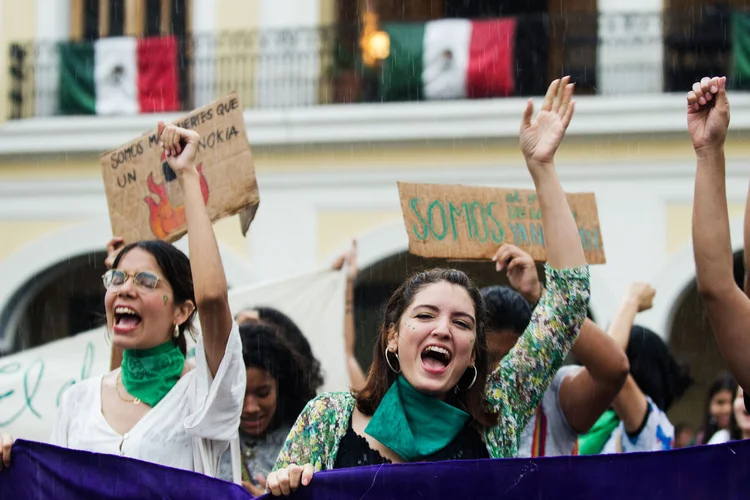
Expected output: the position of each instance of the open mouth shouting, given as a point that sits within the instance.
(435, 359)
(126, 319)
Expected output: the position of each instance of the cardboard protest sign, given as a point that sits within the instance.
(144, 197)
(462, 222)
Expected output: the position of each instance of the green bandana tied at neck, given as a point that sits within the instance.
(413, 424)
(594, 440)
(150, 374)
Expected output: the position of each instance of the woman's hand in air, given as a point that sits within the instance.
(541, 136)
(285, 481)
(180, 146)
(113, 249)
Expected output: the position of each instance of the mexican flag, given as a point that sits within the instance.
(449, 59)
(118, 76)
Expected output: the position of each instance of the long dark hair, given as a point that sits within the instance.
(264, 347)
(380, 377)
(723, 382)
(175, 267)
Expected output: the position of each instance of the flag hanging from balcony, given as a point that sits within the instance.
(119, 76)
(449, 59)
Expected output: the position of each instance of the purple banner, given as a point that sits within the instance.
(41, 471)
(718, 471)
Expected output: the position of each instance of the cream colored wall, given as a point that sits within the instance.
(17, 24)
(236, 16)
(335, 229)
(328, 12)
(228, 233)
(679, 224)
(395, 156)
(62, 167)
(14, 234)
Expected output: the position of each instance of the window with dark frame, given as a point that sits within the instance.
(93, 19)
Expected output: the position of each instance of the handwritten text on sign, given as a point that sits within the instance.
(33, 382)
(462, 222)
(144, 197)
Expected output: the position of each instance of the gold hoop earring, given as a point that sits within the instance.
(176, 330)
(388, 361)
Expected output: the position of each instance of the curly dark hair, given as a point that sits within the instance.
(264, 347)
(380, 377)
(294, 336)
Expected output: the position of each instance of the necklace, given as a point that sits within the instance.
(118, 382)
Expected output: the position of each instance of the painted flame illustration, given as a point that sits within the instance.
(163, 217)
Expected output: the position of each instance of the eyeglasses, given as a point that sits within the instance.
(114, 279)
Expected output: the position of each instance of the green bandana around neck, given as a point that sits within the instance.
(594, 440)
(413, 424)
(149, 374)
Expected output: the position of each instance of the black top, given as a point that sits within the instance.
(354, 451)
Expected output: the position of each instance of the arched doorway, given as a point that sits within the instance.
(377, 281)
(61, 301)
(692, 341)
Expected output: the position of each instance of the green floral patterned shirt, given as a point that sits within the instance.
(513, 390)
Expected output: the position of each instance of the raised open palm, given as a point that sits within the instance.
(708, 113)
(541, 137)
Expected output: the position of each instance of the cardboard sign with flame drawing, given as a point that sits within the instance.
(144, 196)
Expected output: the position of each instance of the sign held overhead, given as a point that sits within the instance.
(145, 200)
(468, 223)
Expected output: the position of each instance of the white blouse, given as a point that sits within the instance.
(720, 436)
(189, 429)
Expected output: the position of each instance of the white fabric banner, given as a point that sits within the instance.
(116, 76)
(315, 301)
(32, 382)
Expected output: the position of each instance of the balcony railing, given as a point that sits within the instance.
(605, 54)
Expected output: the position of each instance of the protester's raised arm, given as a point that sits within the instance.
(727, 306)
(209, 281)
(526, 372)
(586, 394)
(540, 139)
(631, 404)
(356, 374)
